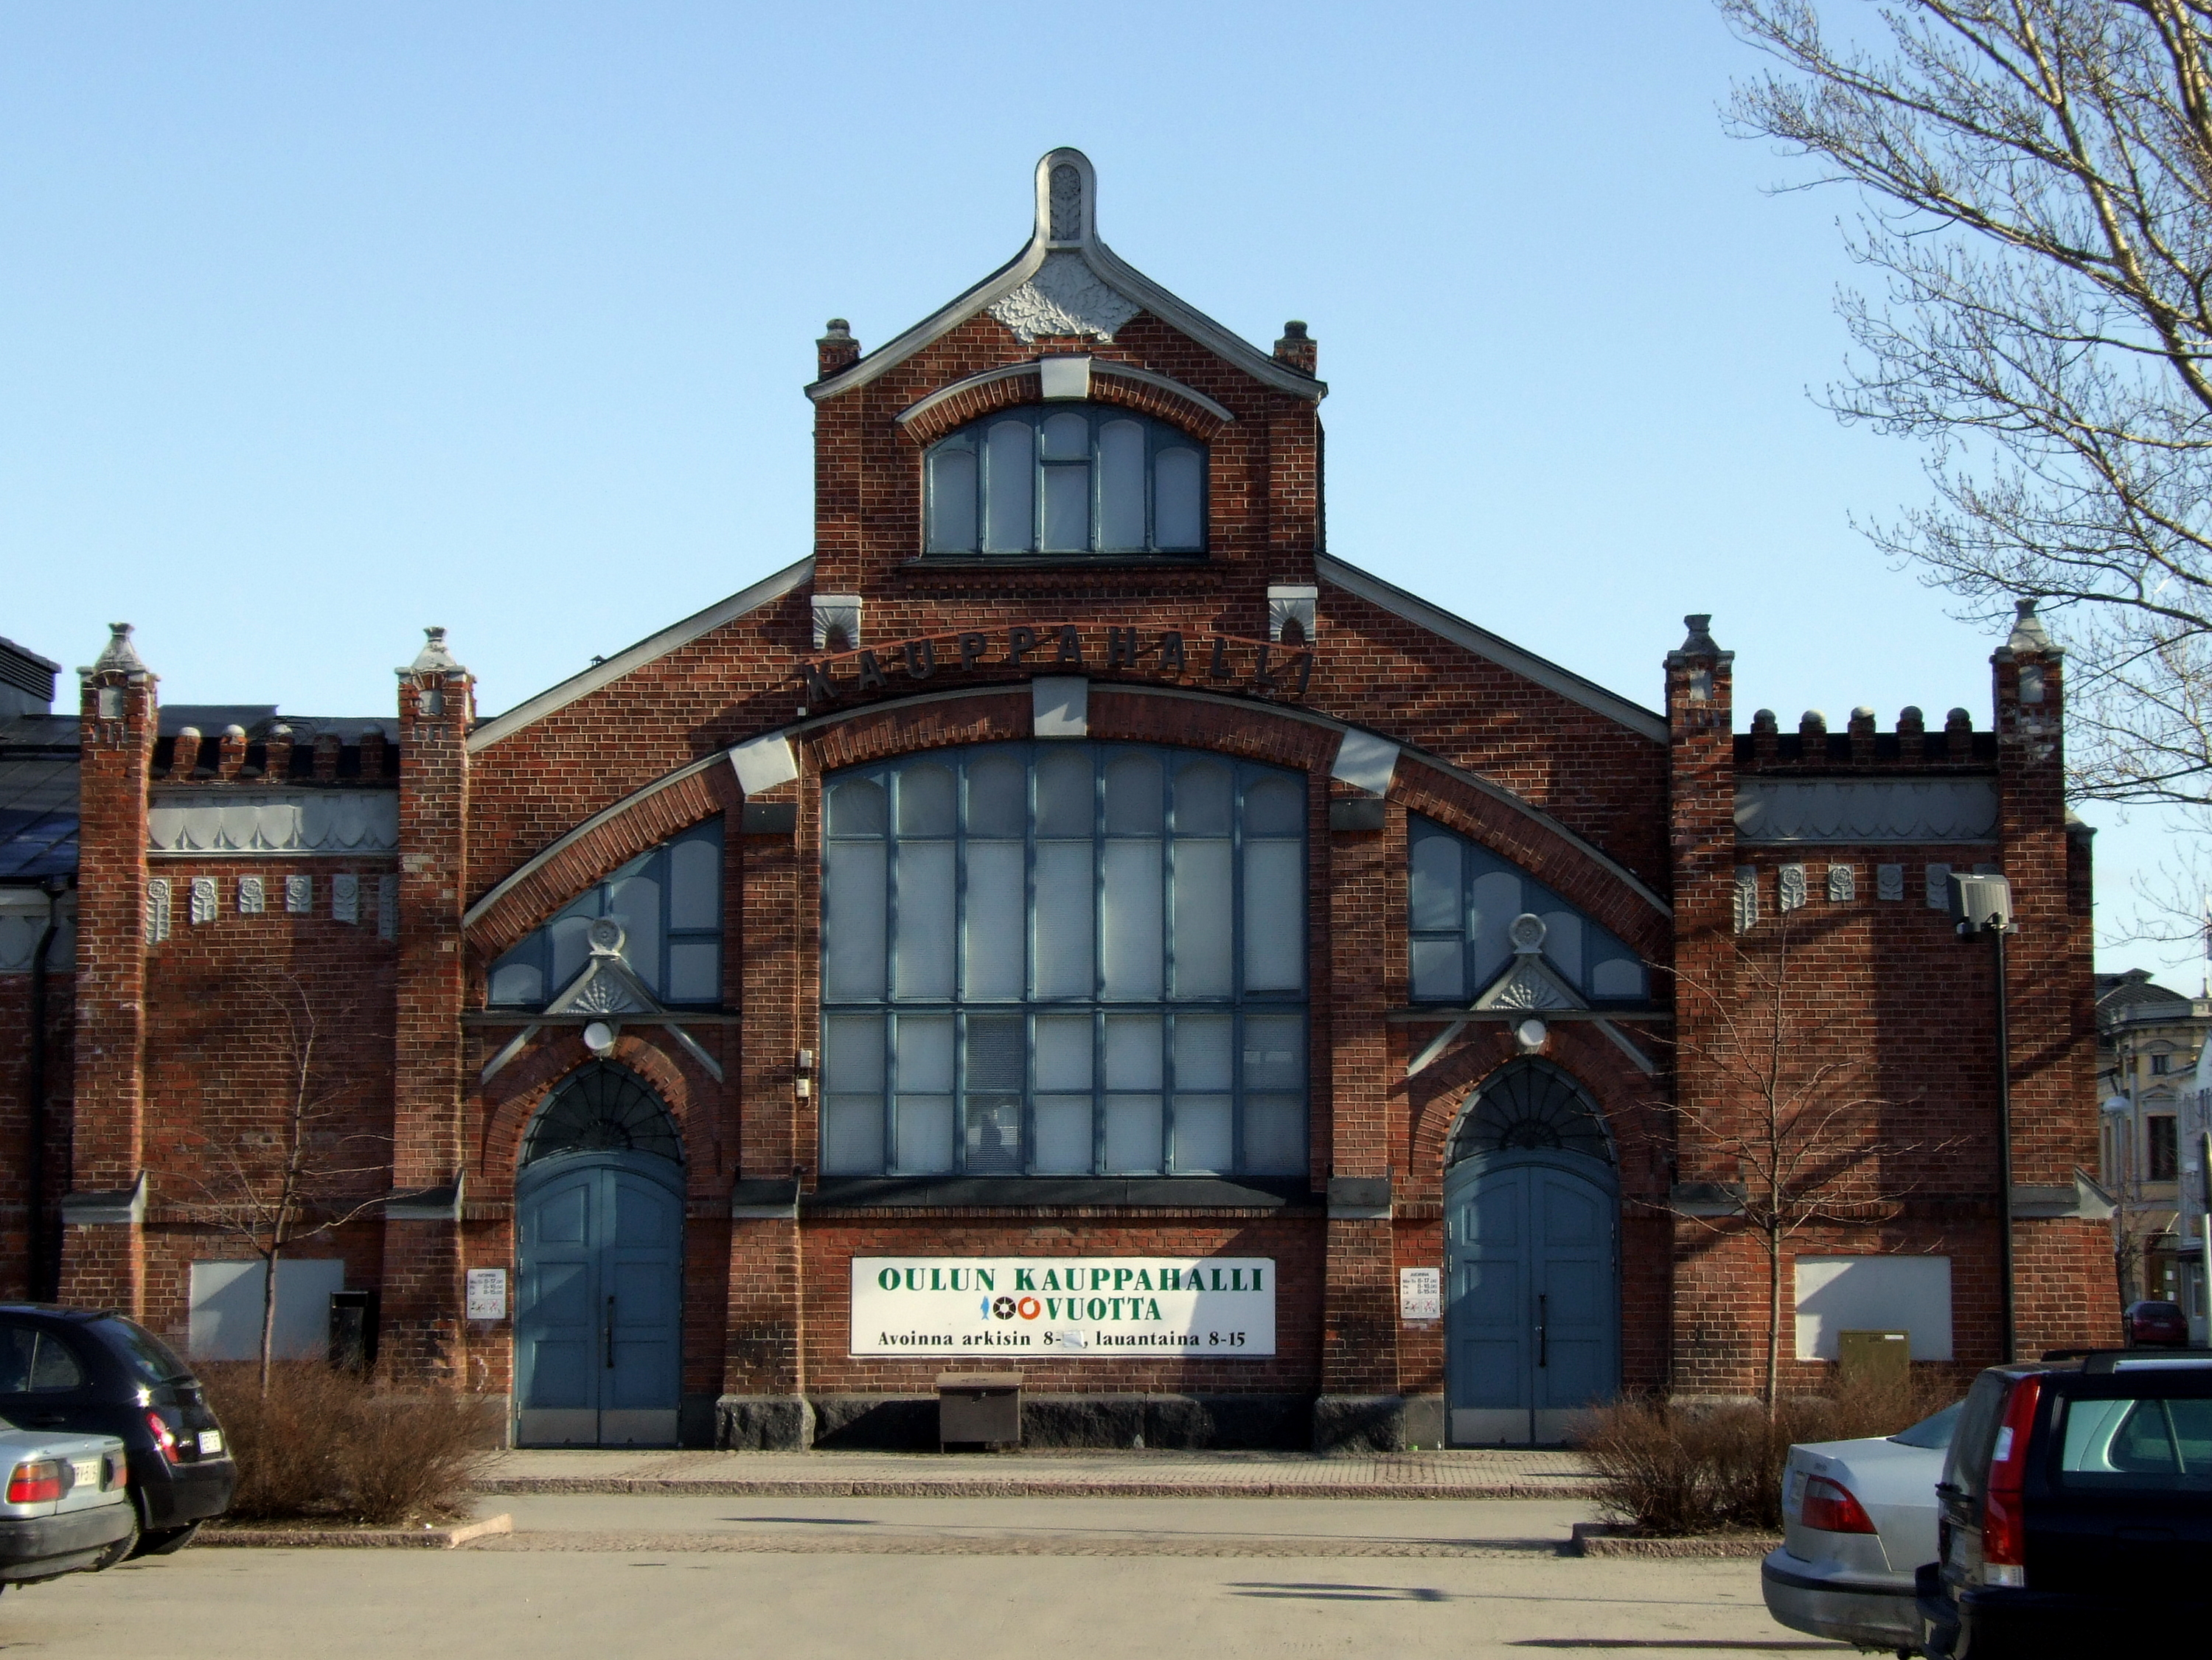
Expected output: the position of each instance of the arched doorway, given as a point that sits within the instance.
(598, 1337)
(1532, 1215)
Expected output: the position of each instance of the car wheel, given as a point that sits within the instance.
(168, 1541)
(124, 1548)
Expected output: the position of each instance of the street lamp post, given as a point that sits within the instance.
(1983, 905)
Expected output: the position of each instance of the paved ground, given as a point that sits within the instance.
(1192, 1528)
(1511, 1474)
(551, 1605)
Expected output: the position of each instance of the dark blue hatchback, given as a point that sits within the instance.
(98, 1373)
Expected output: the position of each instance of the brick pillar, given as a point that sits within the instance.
(1360, 1406)
(1709, 1346)
(103, 1258)
(423, 1332)
(764, 1367)
(2062, 1294)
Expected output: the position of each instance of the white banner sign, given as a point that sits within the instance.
(1081, 1307)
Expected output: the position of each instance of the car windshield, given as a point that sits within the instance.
(1933, 1432)
(2137, 1442)
(150, 1360)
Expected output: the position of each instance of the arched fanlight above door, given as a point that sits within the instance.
(602, 1108)
(1530, 1106)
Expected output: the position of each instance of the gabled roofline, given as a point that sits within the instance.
(1460, 632)
(768, 589)
(1107, 267)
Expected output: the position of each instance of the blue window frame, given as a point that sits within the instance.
(1064, 958)
(1463, 899)
(669, 902)
(1065, 478)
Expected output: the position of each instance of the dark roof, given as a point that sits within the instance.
(2134, 994)
(259, 719)
(37, 797)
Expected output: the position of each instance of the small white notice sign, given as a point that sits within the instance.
(487, 1294)
(1420, 1293)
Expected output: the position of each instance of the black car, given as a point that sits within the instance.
(2076, 1508)
(98, 1373)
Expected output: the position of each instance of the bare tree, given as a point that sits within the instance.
(2037, 177)
(276, 1187)
(1788, 1111)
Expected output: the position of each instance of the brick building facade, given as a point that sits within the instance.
(1071, 868)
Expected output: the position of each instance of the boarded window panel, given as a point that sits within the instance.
(694, 883)
(1065, 902)
(1011, 471)
(1435, 884)
(1275, 916)
(1874, 1293)
(1063, 1136)
(952, 500)
(1132, 1135)
(997, 1068)
(224, 1322)
(1204, 925)
(1122, 487)
(1179, 500)
(998, 903)
(853, 938)
(1135, 966)
(925, 940)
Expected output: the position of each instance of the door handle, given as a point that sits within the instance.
(610, 1334)
(1543, 1314)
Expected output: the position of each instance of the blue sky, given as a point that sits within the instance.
(320, 323)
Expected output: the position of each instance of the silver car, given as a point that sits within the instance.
(1857, 1517)
(66, 1504)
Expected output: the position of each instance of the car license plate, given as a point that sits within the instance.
(210, 1443)
(86, 1472)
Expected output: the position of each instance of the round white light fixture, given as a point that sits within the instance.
(1530, 1034)
(599, 1037)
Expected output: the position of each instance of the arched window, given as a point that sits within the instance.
(1064, 958)
(669, 902)
(602, 1108)
(1067, 478)
(1464, 899)
(1530, 1106)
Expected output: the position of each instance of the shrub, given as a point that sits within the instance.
(332, 1445)
(1670, 1469)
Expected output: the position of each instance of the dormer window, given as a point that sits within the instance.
(1075, 479)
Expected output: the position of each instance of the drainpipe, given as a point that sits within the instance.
(34, 1164)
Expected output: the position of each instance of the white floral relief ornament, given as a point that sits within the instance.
(1746, 897)
(157, 910)
(253, 897)
(1066, 297)
(1842, 884)
(1790, 888)
(299, 895)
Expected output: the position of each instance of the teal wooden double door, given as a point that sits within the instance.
(1531, 1325)
(598, 1315)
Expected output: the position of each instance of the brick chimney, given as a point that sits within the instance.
(837, 349)
(1297, 349)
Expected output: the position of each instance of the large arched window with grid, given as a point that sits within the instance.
(601, 1108)
(1530, 1106)
(1064, 958)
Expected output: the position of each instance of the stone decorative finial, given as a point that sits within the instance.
(837, 349)
(2028, 633)
(119, 656)
(1065, 188)
(1700, 640)
(1296, 348)
(434, 658)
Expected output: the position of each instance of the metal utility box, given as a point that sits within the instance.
(982, 1407)
(1874, 1356)
(353, 1330)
